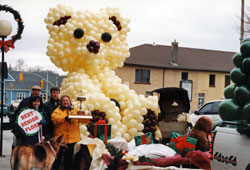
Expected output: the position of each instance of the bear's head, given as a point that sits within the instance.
(87, 40)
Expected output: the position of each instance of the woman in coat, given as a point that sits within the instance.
(69, 128)
(27, 122)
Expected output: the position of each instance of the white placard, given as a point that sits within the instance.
(29, 120)
(187, 85)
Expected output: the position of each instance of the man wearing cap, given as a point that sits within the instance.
(35, 91)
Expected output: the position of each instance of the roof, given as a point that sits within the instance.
(32, 78)
(188, 58)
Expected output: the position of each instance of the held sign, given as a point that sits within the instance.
(29, 120)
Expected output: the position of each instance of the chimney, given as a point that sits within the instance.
(174, 53)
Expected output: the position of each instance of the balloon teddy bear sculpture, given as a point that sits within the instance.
(89, 46)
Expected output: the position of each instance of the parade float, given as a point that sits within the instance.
(90, 46)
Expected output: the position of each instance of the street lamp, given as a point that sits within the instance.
(5, 30)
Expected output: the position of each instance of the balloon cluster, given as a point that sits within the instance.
(89, 46)
(236, 106)
(97, 115)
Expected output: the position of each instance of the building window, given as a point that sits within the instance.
(201, 98)
(212, 80)
(149, 93)
(227, 80)
(20, 96)
(184, 75)
(142, 76)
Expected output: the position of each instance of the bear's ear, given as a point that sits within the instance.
(58, 16)
(116, 22)
(115, 16)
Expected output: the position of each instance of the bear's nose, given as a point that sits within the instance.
(93, 46)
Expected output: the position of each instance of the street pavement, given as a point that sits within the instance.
(6, 149)
(7, 142)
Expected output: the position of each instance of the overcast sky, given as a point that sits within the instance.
(206, 24)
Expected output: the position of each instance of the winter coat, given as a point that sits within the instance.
(69, 128)
(50, 106)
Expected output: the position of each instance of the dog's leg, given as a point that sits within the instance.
(15, 159)
(29, 158)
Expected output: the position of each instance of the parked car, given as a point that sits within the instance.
(5, 109)
(209, 109)
(229, 154)
(12, 108)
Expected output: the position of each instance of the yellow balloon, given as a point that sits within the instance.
(139, 126)
(132, 132)
(126, 136)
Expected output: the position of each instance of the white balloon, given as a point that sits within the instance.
(132, 132)
(126, 136)
(114, 128)
(139, 118)
(111, 121)
(132, 123)
(140, 127)
(118, 134)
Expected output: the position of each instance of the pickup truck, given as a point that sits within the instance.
(229, 149)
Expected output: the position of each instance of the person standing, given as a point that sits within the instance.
(69, 127)
(34, 111)
(35, 91)
(50, 106)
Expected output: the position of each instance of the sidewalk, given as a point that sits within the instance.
(7, 142)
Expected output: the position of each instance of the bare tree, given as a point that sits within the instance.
(20, 64)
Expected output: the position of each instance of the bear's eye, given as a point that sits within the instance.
(106, 37)
(78, 33)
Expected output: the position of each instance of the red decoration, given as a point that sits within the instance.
(143, 139)
(6, 45)
(181, 143)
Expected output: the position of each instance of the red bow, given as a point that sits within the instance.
(181, 143)
(6, 45)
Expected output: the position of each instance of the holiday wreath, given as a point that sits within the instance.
(17, 36)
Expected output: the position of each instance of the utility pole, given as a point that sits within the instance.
(242, 21)
(47, 80)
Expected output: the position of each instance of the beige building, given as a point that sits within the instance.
(203, 73)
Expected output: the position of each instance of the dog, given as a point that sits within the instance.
(38, 156)
(201, 131)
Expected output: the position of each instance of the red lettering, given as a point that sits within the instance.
(22, 117)
(26, 129)
(27, 122)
